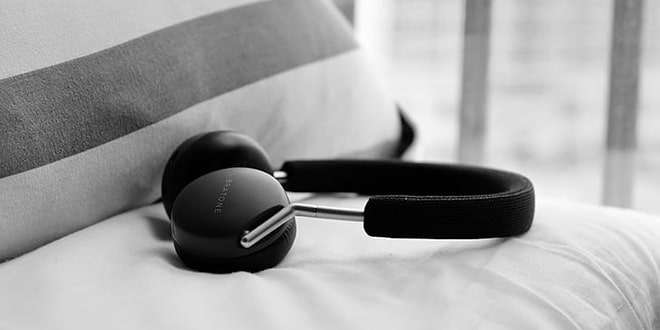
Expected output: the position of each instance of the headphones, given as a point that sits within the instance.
(230, 212)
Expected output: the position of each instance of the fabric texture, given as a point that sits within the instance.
(94, 97)
(579, 267)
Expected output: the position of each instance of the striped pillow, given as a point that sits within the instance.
(94, 96)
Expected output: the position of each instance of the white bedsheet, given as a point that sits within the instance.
(580, 267)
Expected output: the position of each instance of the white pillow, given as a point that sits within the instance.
(94, 96)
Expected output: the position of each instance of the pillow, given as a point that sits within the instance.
(94, 97)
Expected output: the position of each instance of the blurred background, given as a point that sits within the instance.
(547, 98)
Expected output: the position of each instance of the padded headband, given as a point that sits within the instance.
(421, 200)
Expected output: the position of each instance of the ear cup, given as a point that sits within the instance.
(212, 213)
(207, 152)
(269, 256)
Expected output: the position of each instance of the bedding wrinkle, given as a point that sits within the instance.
(475, 279)
(646, 257)
(349, 286)
(319, 292)
(442, 269)
(589, 261)
(632, 287)
(277, 292)
(530, 295)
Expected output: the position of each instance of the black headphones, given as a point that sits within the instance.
(230, 212)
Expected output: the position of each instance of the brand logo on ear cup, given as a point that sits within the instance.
(222, 195)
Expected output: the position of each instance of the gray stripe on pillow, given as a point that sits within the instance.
(59, 111)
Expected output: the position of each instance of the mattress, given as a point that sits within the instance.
(579, 267)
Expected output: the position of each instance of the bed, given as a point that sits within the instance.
(579, 267)
(94, 98)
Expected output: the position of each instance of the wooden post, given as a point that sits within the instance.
(622, 107)
(474, 84)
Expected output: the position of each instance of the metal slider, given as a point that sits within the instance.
(280, 176)
(255, 235)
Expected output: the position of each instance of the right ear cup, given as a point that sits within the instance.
(263, 259)
(205, 153)
(212, 213)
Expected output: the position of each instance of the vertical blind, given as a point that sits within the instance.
(622, 102)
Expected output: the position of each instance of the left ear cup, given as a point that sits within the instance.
(208, 152)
